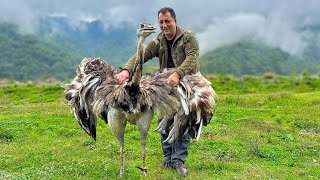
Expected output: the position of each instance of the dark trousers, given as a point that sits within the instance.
(177, 151)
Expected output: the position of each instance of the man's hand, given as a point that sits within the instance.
(173, 79)
(122, 76)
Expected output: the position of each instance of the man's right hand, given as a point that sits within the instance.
(122, 76)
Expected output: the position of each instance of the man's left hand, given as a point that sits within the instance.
(173, 79)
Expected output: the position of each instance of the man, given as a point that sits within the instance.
(176, 48)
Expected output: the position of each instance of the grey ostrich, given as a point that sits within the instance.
(94, 92)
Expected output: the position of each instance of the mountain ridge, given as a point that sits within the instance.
(50, 54)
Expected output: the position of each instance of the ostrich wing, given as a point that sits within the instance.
(197, 92)
(81, 92)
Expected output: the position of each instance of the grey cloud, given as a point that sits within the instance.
(274, 31)
(216, 22)
(18, 12)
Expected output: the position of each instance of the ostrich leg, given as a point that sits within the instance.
(121, 159)
(121, 142)
(143, 122)
(117, 124)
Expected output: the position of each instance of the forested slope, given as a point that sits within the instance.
(39, 56)
(28, 57)
(255, 58)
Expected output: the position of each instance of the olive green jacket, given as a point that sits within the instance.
(185, 52)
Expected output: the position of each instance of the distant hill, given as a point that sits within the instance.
(55, 50)
(29, 57)
(255, 58)
(244, 57)
(92, 39)
(52, 53)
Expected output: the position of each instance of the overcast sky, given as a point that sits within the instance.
(216, 22)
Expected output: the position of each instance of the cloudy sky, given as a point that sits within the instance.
(279, 23)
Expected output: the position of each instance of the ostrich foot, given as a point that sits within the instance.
(143, 170)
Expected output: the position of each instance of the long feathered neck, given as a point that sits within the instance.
(139, 62)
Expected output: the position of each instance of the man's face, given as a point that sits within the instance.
(167, 25)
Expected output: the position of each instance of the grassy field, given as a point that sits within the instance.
(262, 129)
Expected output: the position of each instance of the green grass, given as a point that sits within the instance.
(267, 133)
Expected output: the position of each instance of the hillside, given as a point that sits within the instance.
(93, 39)
(255, 58)
(28, 57)
(51, 53)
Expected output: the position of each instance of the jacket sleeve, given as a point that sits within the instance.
(150, 51)
(191, 49)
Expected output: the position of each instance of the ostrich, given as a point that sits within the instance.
(94, 92)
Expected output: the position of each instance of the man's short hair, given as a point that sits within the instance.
(167, 9)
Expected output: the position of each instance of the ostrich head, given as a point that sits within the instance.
(145, 30)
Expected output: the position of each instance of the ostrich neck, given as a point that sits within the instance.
(139, 61)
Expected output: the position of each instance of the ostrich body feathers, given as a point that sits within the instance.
(94, 91)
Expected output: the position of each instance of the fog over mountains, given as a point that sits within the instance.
(107, 28)
(281, 23)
